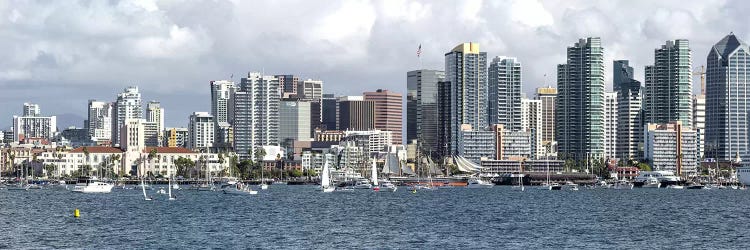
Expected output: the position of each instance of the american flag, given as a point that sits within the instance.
(419, 50)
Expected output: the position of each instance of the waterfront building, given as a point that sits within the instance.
(99, 122)
(329, 112)
(388, 107)
(610, 124)
(176, 137)
(127, 106)
(294, 114)
(629, 110)
(669, 83)
(671, 147)
(373, 141)
(316, 160)
(728, 100)
(422, 107)
(355, 113)
(287, 85)
(466, 78)
(152, 135)
(531, 123)
(699, 122)
(504, 93)
(222, 110)
(475, 145)
(500, 167)
(548, 95)
(256, 114)
(32, 126)
(511, 144)
(200, 131)
(579, 114)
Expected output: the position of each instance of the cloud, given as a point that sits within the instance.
(172, 49)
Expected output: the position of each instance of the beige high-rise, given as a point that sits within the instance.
(388, 112)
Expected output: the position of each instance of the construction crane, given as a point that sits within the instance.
(702, 73)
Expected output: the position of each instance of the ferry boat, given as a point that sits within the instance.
(655, 179)
(387, 185)
(92, 185)
(743, 175)
(476, 182)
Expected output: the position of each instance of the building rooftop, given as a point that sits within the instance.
(98, 150)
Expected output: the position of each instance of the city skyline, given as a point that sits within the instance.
(180, 55)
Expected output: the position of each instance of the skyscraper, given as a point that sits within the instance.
(466, 72)
(200, 131)
(127, 106)
(155, 114)
(629, 110)
(389, 112)
(728, 100)
(610, 124)
(310, 90)
(504, 77)
(579, 114)
(421, 107)
(548, 96)
(355, 113)
(699, 123)
(329, 112)
(294, 114)
(34, 126)
(531, 123)
(287, 84)
(31, 109)
(256, 114)
(99, 121)
(669, 85)
(222, 108)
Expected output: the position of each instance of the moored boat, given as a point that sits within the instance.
(92, 185)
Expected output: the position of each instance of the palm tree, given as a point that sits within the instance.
(86, 153)
(151, 155)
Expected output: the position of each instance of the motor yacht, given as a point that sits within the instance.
(92, 185)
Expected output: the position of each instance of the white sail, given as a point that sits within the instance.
(325, 180)
(465, 165)
(374, 174)
(391, 165)
(143, 187)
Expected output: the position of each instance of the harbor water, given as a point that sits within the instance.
(303, 217)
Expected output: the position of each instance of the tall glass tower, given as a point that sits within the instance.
(505, 93)
(580, 101)
(728, 100)
(629, 110)
(466, 72)
(669, 82)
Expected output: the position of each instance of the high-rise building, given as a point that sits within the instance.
(132, 136)
(155, 115)
(728, 100)
(531, 123)
(99, 121)
(610, 124)
(31, 109)
(421, 107)
(579, 111)
(287, 84)
(389, 111)
(256, 114)
(474, 144)
(669, 90)
(671, 147)
(548, 95)
(222, 110)
(200, 131)
(34, 127)
(629, 111)
(176, 137)
(294, 114)
(355, 113)
(504, 80)
(466, 74)
(152, 135)
(310, 90)
(699, 122)
(328, 107)
(127, 106)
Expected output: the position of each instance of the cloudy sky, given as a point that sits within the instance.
(62, 53)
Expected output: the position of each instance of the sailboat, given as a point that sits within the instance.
(325, 179)
(143, 187)
(374, 177)
(263, 185)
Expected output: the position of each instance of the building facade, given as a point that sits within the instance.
(466, 78)
(355, 113)
(669, 85)
(32, 125)
(222, 108)
(200, 131)
(671, 147)
(295, 117)
(579, 114)
(176, 137)
(256, 114)
(421, 107)
(531, 123)
(548, 96)
(287, 85)
(610, 124)
(127, 106)
(699, 123)
(99, 122)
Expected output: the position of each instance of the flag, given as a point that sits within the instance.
(419, 50)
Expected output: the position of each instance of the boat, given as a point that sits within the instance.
(325, 179)
(161, 191)
(386, 185)
(676, 187)
(520, 182)
(18, 187)
(569, 185)
(143, 187)
(374, 176)
(553, 186)
(170, 186)
(694, 185)
(623, 184)
(92, 185)
(238, 188)
(476, 182)
(362, 184)
(655, 179)
(743, 175)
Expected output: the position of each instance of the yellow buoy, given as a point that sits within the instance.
(414, 191)
(76, 213)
